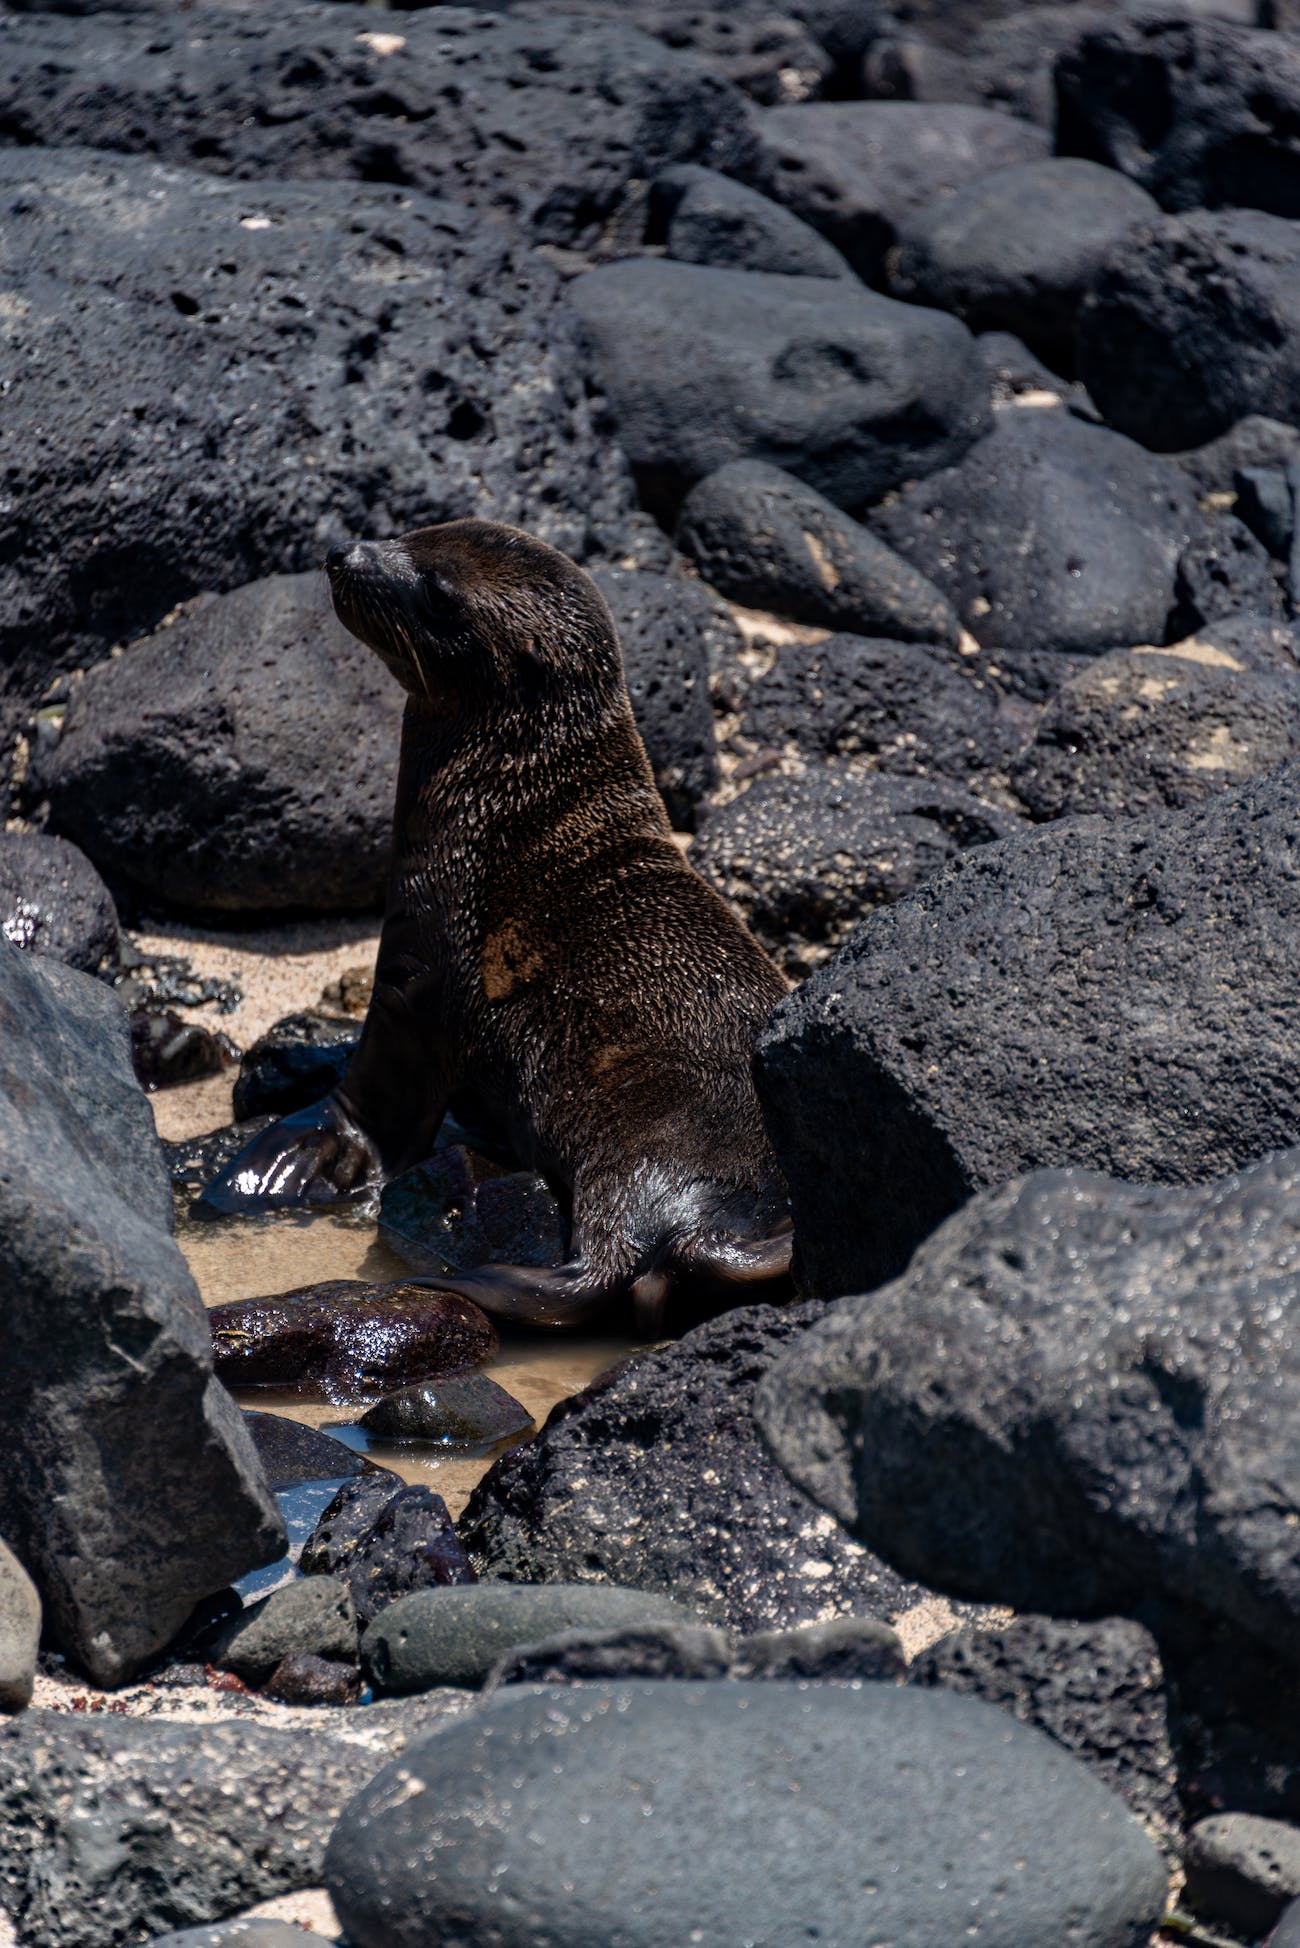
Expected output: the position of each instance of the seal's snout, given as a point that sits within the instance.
(335, 560)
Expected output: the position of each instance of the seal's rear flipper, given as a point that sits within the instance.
(315, 1156)
(535, 1295)
(736, 1261)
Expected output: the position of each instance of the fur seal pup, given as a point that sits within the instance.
(546, 949)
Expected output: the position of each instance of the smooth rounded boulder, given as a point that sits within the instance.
(244, 758)
(852, 392)
(1016, 250)
(855, 169)
(655, 1814)
(1049, 535)
(768, 540)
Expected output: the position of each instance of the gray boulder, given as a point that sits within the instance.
(458, 1636)
(1194, 323)
(656, 1478)
(850, 391)
(313, 1616)
(705, 218)
(1049, 535)
(1079, 1398)
(1147, 730)
(52, 901)
(768, 540)
(131, 1488)
(118, 1829)
(1242, 1871)
(685, 1651)
(1117, 995)
(856, 169)
(1017, 249)
(802, 859)
(246, 757)
(542, 124)
(20, 1632)
(240, 427)
(848, 1649)
(716, 1813)
(231, 1934)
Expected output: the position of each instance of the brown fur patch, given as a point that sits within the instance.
(507, 961)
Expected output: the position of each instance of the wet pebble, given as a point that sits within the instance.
(385, 1540)
(296, 1062)
(460, 1210)
(464, 1411)
(305, 1679)
(166, 1049)
(343, 1339)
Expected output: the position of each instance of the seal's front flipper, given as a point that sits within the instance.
(316, 1156)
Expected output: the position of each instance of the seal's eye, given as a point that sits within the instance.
(440, 601)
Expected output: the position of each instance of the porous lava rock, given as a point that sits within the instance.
(1017, 249)
(1145, 730)
(185, 414)
(107, 1374)
(1049, 535)
(589, 1791)
(665, 624)
(1077, 1399)
(877, 704)
(772, 542)
(297, 1061)
(1201, 112)
(191, 1822)
(385, 1539)
(52, 901)
(1114, 994)
(541, 123)
(1191, 325)
(801, 859)
(244, 758)
(856, 169)
(851, 391)
(656, 1478)
(1242, 1870)
(1097, 1688)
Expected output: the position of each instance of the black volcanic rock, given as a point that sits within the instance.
(1201, 112)
(52, 901)
(655, 1478)
(1117, 995)
(130, 1489)
(852, 392)
(772, 542)
(665, 625)
(1079, 1398)
(856, 169)
(1146, 730)
(1050, 535)
(1192, 324)
(706, 218)
(541, 123)
(803, 859)
(245, 757)
(184, 413)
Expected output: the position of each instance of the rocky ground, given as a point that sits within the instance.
(920, 383)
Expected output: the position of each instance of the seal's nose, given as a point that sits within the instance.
(334, 561)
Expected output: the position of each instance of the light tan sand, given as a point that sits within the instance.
(280, 968)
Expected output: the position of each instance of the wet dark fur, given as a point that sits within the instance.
(545, 946)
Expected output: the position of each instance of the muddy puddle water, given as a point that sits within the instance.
(242, 1259)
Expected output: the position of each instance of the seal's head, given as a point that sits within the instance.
(470, 609)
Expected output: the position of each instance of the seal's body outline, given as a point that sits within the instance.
(545, 943)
